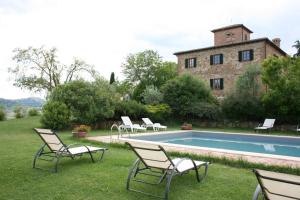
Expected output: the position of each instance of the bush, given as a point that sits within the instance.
(152, 95)
(160, 112)
(184, 93)
(131, 108)
(2, 114)
(203, 110)
(87, 102)
(33, 112)
(244, 102)
(56, 115)
(19, 112)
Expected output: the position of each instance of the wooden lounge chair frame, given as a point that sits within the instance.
(140, 166)
(54, 151)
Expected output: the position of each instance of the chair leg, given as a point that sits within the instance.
(91, 155)
(169, 179)
(102, 154)
(132, 173)
(37, 155)
(257, 192)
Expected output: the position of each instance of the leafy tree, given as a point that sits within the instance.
(297, 46)
(184, 92)
(87, 102)
(2, 113)
(244, 102)
(38, 69)
(112, 78)
(152, 95)
(282, 99)
(147, 68)
(56, 115)
(131, 108)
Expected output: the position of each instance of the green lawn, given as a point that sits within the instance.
(81, 179)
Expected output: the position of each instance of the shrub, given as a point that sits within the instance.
(186, 91)
(82, 128)
(203, 110)
(131, 108)
(160, 112)
(282, 99)
(2, 114)
(33, 112)
(152, 95)
(19, 112)
(244, 102)
(56, 115)
(87, 102)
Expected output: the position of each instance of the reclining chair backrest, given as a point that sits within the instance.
(147, 121)
(269, 123)
(50, 139)
(153, 156)
(126, 121)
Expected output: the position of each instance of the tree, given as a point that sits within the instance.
(152, 95)
(189, 97)
(282, 99)
(149, 68)
(112, 78)
(244, 102)
(38, 69)
(297, 46)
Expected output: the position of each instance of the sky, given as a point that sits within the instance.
(103, 33)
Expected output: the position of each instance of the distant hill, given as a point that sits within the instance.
(26, 102)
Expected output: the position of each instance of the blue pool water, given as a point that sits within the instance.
(249, 143)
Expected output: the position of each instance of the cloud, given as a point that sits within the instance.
(103, 33)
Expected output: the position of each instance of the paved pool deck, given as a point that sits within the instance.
(267, 159)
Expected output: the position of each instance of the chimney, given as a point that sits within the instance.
(276, 41)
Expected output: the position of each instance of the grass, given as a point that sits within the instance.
(81, 179)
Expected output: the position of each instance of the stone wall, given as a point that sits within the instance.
(236, 35)
(229, 70)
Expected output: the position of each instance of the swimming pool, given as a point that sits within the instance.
(274, 145)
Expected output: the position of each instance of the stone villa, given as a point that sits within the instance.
(233, 51)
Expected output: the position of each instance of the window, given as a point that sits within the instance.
(217, 84)
(245, 37)
(246, 55)
(190, 62)
(216, 59)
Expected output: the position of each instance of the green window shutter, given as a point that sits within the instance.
(211, 83)
(195, 62)
(221, 83)
(251, 54)
(186, 63)
(221, 58)
(211, 60)
(240, 56)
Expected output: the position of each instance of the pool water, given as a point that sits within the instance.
(248, 143)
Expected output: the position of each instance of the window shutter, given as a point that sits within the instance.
(211, 60)
(251, 54)
(221, 58)
(240, 56)
(195, 62)
(211, 83)
(221, 83)
(186, 63)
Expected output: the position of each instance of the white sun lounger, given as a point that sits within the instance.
(57, 149)
(267, 125)
(150, 124)
(154, 161)
(127, 124)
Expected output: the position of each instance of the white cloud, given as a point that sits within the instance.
(103, 33)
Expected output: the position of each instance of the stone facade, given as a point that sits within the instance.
(231, 67)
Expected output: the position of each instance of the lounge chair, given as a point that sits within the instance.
(268, 124)
(127, 124)
(155, 126)
(154, 161)
(57, 149)
(276, 186)
(298, 128)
